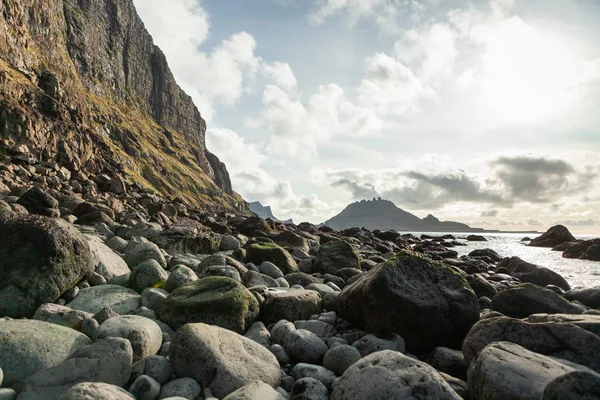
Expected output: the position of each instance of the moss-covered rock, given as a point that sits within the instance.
(425, 302)
(40, 259)
(336, 255)
(214, 300)
(258, 253)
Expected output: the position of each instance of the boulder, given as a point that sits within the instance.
(590, 296)
(528, 272)
(158, 368)
(290, 304)
(305, 346)
(255, 391)
(557, 340)
(391, 375)
(339, 358)
(106, 262)
(323, 375)
(178, 389)
(290, 239)
(180, 276)
(36, 201)
(214, 300)
(61, 315)
(30, 346)
(258, 253)
(309, 388)
(108, 361)
(96, 391)
(489, 253)
(221, 360)
(523, 300)
(573, 385)
(93, 299)
(409, 295)
(42, 258)
(589, 322)
(219, 259)
(138, 252)
(553, 237)
(143, 333)
(336, 255)
(148, 274)
(506, 370)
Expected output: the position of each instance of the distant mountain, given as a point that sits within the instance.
(263, 212)
(385, 215)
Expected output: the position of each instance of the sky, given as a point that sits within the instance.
(484, 112)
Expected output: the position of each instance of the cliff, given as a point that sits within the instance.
(82, 84)
(384, 215)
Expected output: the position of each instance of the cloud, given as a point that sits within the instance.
(387, 14)
(217, 77)
(247, 166)
(539, 179)
(490, 213)
(296, 127)
(582, 222)
(281, 74)
(437, 183)
(390, 87)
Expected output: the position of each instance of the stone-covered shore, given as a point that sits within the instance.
(108, 291)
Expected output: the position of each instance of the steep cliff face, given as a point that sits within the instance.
(82, 83)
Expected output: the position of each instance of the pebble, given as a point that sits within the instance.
(145, 388)
(339, 358)
(309, 388)
(187, 388)
(305, 346)
(280, 330)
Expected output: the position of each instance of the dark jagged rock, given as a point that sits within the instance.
(528, 272)
(564, 341)
(553, 237)
(489, 253)
(36, 201)
(590, 296)
(336, 255)
(476, 238)
(526, 299)
(426, 303)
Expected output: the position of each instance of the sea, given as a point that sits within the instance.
(579, 273)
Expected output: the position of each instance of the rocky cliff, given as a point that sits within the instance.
(82, 84)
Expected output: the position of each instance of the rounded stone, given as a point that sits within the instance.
(143, 333)
(184, 388)
(148, 274)
(96, 391)
(309, 388)
(93, 299)
(145, 388)
(180, 276)
(29, 346)
(221, 360)
(305, 346)
(158, 368)
(389, 374)
(214, 300)
(338, 359)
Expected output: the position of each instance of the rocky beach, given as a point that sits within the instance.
(131, 269)
(111, 294)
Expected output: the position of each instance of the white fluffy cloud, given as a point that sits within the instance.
(296, 127)
(247, 164)
(218, 77)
